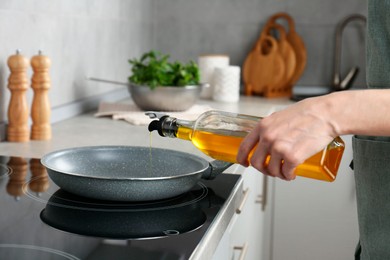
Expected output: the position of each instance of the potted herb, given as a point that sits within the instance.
(154, 69)
(160, 85)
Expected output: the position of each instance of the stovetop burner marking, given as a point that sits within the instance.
(130, 207)
(114, 206)
(5, 171)
(40, 248)
(28, 192)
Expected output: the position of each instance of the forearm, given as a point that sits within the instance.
(305, 128)
(360, 112)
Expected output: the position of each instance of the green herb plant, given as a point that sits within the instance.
(154, 69)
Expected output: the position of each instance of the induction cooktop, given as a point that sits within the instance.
(38, 220)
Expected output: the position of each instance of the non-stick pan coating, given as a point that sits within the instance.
(124, 173)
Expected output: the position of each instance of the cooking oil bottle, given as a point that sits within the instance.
(219, 134)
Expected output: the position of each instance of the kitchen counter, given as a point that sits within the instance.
(87, 130)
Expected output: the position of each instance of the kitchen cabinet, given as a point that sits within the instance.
(244, 236)
(303, 219)
(312, 219)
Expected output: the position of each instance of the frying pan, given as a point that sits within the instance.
(128, 173)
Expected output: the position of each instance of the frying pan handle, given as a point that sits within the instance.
(215, 168)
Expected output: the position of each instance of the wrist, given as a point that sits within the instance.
(343, 111)
(333, 109)
(358, 111)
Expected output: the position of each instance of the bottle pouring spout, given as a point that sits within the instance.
(166, 126)
(155, 125)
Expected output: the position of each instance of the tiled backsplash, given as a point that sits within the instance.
(95, 38)
(189, 28)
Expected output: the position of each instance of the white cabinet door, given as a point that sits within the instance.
(313, 219)
(244, 236)
(257, 206)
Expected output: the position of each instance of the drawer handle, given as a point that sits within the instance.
(262, 199)
(243, 250)
(244, 199)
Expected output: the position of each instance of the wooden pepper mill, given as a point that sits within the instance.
(18, 112)
(40, 109)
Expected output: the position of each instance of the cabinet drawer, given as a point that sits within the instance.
(246, 233)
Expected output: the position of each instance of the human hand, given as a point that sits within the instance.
(289, 137)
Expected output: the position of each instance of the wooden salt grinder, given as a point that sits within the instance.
(40, 109)
(18, 112)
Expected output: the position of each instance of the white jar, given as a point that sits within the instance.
(227, 84)
(207, 65)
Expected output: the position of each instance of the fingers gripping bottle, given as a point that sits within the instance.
(219, 134)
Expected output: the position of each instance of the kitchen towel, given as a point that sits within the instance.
(133, 115)
(226, 84)
(207, 65)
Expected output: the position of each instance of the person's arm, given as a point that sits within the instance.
(305, 128)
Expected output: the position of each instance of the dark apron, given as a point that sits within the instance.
(371, 155)
(371, 163)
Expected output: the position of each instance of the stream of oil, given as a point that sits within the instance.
(150, 154)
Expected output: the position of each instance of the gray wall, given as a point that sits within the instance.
(83, 38)
(95, 38)
(189, 28)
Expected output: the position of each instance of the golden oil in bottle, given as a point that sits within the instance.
(321, 166)
(219, 135)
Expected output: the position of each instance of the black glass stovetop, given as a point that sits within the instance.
(40, 221)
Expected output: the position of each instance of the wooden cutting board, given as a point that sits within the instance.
(263, 67)
(283, 88)
(297, 44)
(246, 73)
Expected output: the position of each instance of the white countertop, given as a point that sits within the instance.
(87, 130)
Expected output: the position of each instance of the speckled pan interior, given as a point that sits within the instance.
(122, 162)
(124, 173)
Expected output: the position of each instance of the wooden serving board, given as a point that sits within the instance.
(296, 43)
(264, 66)
(282, 88)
